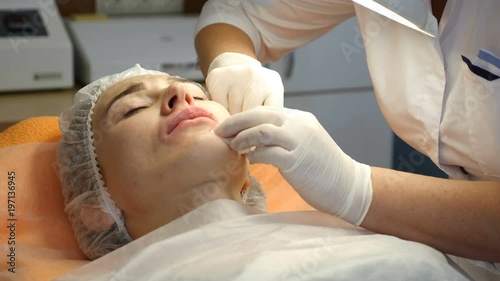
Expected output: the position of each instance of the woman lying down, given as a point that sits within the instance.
(153, 194)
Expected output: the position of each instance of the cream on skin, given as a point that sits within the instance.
(157, 153)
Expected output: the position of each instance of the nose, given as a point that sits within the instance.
(176, 96)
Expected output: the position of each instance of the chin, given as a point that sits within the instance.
(201, 155)
(206, 149)
(215, 148)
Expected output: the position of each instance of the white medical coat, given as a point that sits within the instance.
(226, 240)
(427, 92)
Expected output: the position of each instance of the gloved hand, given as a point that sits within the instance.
(240, 82)
(308, 158)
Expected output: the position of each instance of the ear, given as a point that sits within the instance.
(95, 218)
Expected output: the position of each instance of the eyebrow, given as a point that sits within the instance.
(141, 86)
(129, 90)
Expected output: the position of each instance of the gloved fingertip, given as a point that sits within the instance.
(225, 140)
(217, 131)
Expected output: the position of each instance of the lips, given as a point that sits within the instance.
(188, 113)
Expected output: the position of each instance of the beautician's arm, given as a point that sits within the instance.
(231, 29)
(457, 217)
(218, 38)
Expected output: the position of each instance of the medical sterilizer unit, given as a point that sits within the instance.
(35, 50)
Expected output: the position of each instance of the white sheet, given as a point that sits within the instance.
(225, 240)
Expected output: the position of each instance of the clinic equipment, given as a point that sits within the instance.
(35, 50)
(411, 13)
(103, 47)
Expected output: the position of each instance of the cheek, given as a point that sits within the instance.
(119, 154)
(217, 110)
(123, 145)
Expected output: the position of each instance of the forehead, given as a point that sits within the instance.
(148, 80)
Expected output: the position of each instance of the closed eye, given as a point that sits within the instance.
(133, 111)
(200, 98)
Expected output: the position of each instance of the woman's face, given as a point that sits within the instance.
(155, 147)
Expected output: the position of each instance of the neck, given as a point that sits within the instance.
(204, 193)
(179, 205)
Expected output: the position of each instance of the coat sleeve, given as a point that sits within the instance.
(277, 27)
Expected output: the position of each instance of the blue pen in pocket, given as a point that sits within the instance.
(480, 70)
(489, 57)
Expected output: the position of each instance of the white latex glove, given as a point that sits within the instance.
(240, 82)
(308, 158)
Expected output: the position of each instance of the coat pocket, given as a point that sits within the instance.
(482, 106)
